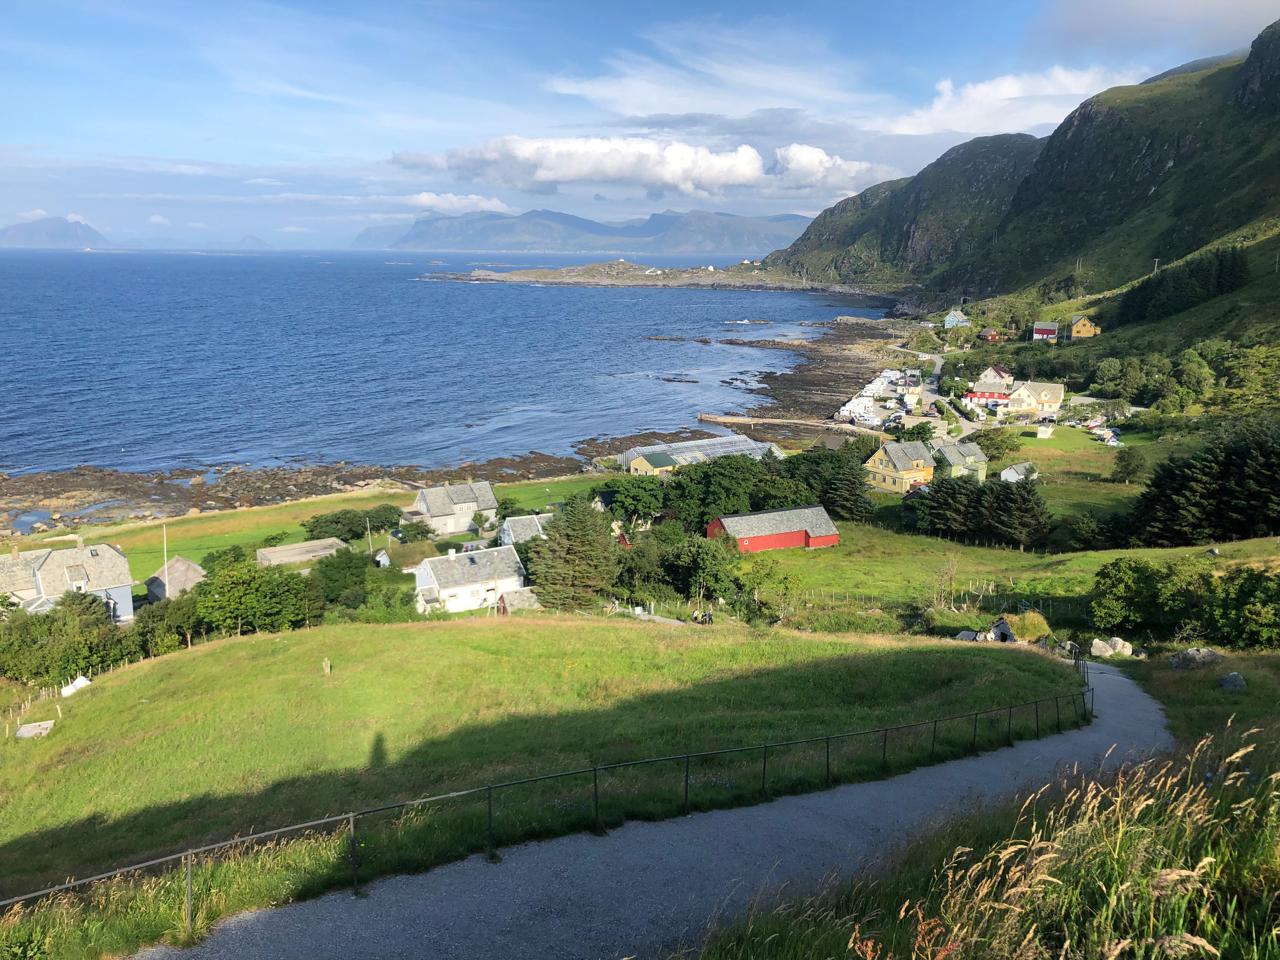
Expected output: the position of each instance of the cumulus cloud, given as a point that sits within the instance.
(76, 218)
(540, 164)
(1206, 28)
(28, 215)
(156, 220)
(1015, 101)
(453, 203)
(802, 166)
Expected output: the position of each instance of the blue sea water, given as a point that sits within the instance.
(144, 361)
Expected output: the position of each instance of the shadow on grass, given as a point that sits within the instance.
(828, 697)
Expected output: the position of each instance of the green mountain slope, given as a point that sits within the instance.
(1155, 170)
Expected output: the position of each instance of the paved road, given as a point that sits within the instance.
(649, 886)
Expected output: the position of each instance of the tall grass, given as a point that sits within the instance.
(1170, 858)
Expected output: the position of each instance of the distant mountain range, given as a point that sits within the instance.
(546, 231)
(1161, 169)
(51, 233)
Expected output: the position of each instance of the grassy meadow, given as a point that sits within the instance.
(198, 534)
(249, 733)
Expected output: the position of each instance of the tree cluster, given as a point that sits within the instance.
(1183, 286)
(1184, 600)
(352, 524)
(960, 508)
(1226, 490)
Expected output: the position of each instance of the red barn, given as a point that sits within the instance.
(777, 529)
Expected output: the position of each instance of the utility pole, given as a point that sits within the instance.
(164, 531)
(368, 532)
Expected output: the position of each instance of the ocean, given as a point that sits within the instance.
(152, 361)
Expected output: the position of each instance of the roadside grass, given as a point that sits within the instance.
(1155, 862)
(1194, 703)
(247, 734)
(196, 535)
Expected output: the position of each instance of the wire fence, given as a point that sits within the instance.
(611, 792)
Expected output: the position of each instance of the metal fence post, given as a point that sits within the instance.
(353, 855)
(828, 761)
(973, 743)
(884, 749)
(595, 797)
(187, 905)
(493, 857)
(1008, 727)
(1037, 719)
(686, 784)
(933, 742)
(764, 770)
(1057, 709)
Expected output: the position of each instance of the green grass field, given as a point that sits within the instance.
(196, 535)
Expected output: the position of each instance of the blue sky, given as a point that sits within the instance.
(303, 123)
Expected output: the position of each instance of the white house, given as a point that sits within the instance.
(448, 508)
(1019, 471)
(997, 373)
(37, 579)
(467, 581)
(1031, 398)
(519, 529)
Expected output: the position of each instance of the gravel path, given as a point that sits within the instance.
(649, 886)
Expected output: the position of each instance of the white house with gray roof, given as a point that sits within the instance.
(467, 581)
(37, 579)
(519, 529)
(448, 508)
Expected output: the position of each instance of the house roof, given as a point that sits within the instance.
(1024, 469)
(1042, 392)
(990, 386)
(299, 552)
(699, 451)
(47, 574)
(903, 455)
(659, 459)
(1042, 327)
(524, 528)
(958, 454)
(522, 599)
(477, 566)
(813, 520)
(440, 501)
(178, 575)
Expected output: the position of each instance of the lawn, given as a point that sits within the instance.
(250, 733)
(196, 535)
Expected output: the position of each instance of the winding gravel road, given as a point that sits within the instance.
(648, 887)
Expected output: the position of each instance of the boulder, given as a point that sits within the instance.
(1100, 648)
(1122, 647)
(1194, 658)
(1232, 683)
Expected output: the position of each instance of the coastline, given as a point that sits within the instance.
(833, 366)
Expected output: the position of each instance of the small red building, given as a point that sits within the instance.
(777, 529)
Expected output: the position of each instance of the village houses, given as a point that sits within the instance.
(1045, 330)
(36, 579)
(952, 459)
(449, 508)
(519, 529)
(663, 458)
(173, 579)
(896, 467)
(1082, 328)
(955, 318)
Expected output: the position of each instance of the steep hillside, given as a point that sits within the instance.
(908, 230)
(1137, 173)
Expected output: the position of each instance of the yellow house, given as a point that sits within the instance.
(1082, 328)
(653, 464)
(897, 467)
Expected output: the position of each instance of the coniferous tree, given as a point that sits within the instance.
(846, 496)
(578, 561)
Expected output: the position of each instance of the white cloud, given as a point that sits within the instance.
(76, 218)
(36, 214)
(156, 220)
(292, 229)
(1008, 103)
(543, 163)
(453, 203)
(802, 166)
(1206, 28)
(265, 182)
(197, 225)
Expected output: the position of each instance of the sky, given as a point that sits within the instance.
(302, 123)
